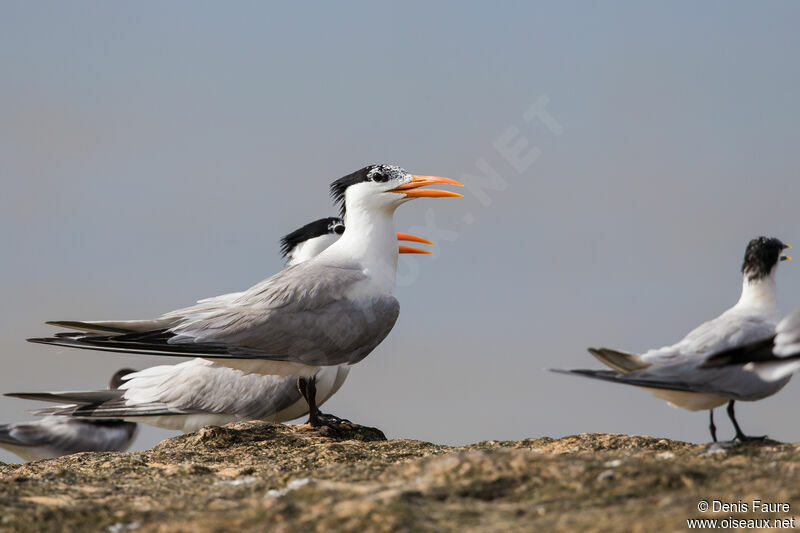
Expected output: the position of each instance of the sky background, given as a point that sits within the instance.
(153, 153)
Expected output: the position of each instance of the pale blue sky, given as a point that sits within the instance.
(152, 154)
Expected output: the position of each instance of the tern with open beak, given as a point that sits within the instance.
(331, 310)
(198, 392)
(678, 373)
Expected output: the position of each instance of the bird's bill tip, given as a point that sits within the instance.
(786, 258)
(788, 247)
(410, 250)
(413, 238)
(409, 189)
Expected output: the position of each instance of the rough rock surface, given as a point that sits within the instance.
(265, 477)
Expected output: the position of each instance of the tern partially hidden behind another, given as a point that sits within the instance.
(55, 436)
(198, 392)
(677, 374)
(331, 310)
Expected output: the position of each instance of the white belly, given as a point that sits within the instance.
(691, 401)
(268, 368)
(185, 423)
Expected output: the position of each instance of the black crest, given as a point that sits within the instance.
(339, 186)
(116, 379)
(377, 173)
(762, 254)
(317, 228)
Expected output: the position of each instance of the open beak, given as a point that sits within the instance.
(411, 250)
(412, 238)
(420, 181)
(786, 257)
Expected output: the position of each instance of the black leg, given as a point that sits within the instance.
(335, 425)
(308, 388)
(739, 433)
(711, 427)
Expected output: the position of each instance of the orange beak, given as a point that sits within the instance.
(409, 250)
(413, 238)
(421, 181)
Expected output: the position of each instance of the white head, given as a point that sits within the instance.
(761, 260)
(367, 199)
(762, 257)
(377, 188)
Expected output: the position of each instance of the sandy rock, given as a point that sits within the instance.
(268, 477)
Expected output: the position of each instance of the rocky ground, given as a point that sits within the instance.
(266, 477)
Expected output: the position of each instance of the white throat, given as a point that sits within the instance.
(369, 243)
(760, 295)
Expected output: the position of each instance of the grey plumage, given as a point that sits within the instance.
(301, 315)
(620, 361)
(731, 384)
(78, 397)
(192, 394)
(331, 310)
(685, 374)
(57, 436)
(774, 358)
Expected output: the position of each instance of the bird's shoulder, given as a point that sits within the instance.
(310, 280)
(730, 329)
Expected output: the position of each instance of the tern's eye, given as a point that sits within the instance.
(338, 229)
(379, 176)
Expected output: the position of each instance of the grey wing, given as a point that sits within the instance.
(199, 386)
(116, 409)
(72, 436)
(620, 361)
(304, 314)
(301, 315)
(732, 382)
(728, 331)
(784, 359)
(728, 382)
(94, 404)
(78, 397)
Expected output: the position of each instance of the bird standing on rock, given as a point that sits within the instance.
(331, 310)
(199, 392)
(678, 373)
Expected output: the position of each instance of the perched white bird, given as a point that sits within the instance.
(55, 436)
(331, 310)
(198, 392)
(677, 374)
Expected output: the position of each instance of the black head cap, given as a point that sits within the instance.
(376, 173)
(317, 228)
(116, 379)
(762, 254)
